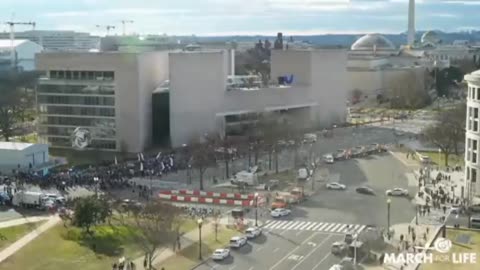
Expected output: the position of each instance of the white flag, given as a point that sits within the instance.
(138, 156)
(158, 155)
(116, 161)
(141, 166)
(163, 166)
(141, 155)
(171, 162)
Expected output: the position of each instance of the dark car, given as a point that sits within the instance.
(365, 190)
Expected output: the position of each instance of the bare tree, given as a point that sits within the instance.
(155, 224)
(271, 132)
(442, 137)
(454, 119)
(202, 156)
(408, 91)
(16, 97)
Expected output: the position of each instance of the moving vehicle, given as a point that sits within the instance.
(248, 178)
(336, 186)
(29, 199)
(238, 241)
(365, 190)
(280, 212)
(281, 202)
(397, 192)
(339, 248)
(358, 151)
(328, 158)
(310, 138)
(285, 199)
(220, 254)
(56, 198)
(340, 154)
(375, 148)
(253, 232)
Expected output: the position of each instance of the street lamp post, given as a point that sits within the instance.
(388, 217)
(416, 214)
(95, 180)
(200, 222)
(256, 208)
(439, 157)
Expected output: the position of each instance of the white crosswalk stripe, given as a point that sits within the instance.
(313, 226)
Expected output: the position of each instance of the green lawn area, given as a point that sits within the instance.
(188, 257)
(472, 247)
(12, 234)
(53, 251)
(452, 159)
(188, 225)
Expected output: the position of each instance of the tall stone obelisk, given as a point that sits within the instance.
(411, 23)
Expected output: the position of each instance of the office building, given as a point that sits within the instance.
(23, 54)
(109, 94)
(52, 40)
(472, 144)
(22, 156)
(309, 88)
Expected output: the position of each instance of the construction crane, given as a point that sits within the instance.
(107, 27)
(123, 25)
(12, 24)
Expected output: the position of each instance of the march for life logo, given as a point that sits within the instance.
(441, 247)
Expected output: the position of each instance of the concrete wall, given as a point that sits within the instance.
(286, 62)
(36, 154)
(197, 89)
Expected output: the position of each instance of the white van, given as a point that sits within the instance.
(310, 138)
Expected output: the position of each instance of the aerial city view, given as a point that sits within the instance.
(240, 135)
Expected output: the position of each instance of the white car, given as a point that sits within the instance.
(238, 241)
(397, 192)
(328, 158)
(336, 186)
(310, 138)
(253, 232)
(220, 254)
(280, 212)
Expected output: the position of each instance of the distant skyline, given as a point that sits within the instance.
(242, 17)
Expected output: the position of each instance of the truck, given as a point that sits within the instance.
(247, 178)
(29, 199)
(286, 199)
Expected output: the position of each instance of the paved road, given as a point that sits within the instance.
(303, 240)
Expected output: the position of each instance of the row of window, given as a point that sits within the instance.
(75, 100)
(472, 119)
(77, 121)
(472, 150)
(77, 89)
(68, 131)
(471, 174)
(95, 144)
(473, 93)
(82, 75)
(108, 112)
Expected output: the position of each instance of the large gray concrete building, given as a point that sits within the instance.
(204, 99)
(107, 93)
(472, 140)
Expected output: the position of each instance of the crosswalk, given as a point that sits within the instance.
(313, 226)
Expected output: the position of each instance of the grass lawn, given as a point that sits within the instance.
(53, 251)
(12, 234)
(188, 257)
(472, 247)
(452, 159)
(188, 225)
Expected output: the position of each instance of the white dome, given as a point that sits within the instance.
(368, 42)
(473, 77)
(430, 37)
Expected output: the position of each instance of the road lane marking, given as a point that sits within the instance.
(310, 253)
(355, 228)
(317, 226)
(292, 225)
(336, 227)
(327, 229)
(323, 259)
(361, 228)
(341, 229)
(268, 221)
(293, 250)
(269, 225)
(323, 226)
(311, 226)
(304, 226)
(276, 226)
(284, 225)
(298, 225)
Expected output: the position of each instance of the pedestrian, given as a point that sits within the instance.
(444, 209)
(413, 238)
(409, 229)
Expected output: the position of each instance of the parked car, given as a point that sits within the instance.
(253, 232)
(340, 154)
(310, 138)
(339, 248)
(358, 151)
(280, 212)
(328, 158)
(238, 241)
(336, 186)
(220, 254)
(365, 190)
(397, 192)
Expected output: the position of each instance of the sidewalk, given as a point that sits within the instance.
(20, 221)
(10, 250)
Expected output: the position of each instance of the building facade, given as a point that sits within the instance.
(23, 55)
(210, 101)
(472, 144)
(109, 94)
(59, 40)
(22, 156)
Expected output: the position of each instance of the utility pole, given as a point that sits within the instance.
(107, 27)
(123, 25)
(12, 24)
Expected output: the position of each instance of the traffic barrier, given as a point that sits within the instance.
(210, 194)
(204, 200)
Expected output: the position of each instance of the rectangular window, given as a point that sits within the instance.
(474, 145)
(474, 157)
(478, 93)
(474, 175)
(468, 173)
(469, 125)
(468, 154)
(475, 126)
(475, 113)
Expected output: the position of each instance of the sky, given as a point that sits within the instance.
(241, 17)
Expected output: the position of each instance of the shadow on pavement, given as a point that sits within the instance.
(261, 239)
(226, 261)
(244, 250)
